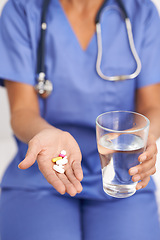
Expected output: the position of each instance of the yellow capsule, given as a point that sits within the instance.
(56, 159)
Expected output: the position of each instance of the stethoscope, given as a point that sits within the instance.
(44, 87)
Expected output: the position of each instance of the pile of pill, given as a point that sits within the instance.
(60, 161)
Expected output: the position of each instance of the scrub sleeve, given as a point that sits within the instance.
(30, 207)
(149, 53)
(17, 62)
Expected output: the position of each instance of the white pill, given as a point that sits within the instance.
(63, 152)
(58, 169)
(62, 166)
(62, 161)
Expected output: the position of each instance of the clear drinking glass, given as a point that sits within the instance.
(121, 138)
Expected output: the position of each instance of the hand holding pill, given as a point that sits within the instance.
(63, 172)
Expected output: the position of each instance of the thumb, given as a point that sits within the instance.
(31, 156)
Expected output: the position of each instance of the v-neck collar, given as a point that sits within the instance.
(69, 26)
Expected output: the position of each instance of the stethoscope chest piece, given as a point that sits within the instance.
(43, 87)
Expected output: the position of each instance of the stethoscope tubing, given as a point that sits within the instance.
(41, 45)
(131, 44)
(44, 87)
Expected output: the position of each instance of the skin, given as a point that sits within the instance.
(81, 15)
(147, 102)
(45, 141)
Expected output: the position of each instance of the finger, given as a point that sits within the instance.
(54, 180)
(143, 167)
(77, 169)
(144, 175)
(47, 170)
(143, 183)
(31, 155)
(148, 154)
(70, 175)
(70, 189)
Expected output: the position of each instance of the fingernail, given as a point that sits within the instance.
(79, 189)
(133, 171)
(19, 166)
(143, 158)
(139, 187)
(136, 178)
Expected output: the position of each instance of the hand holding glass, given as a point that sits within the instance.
(121, 138)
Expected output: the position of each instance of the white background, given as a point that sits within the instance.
(7, 143)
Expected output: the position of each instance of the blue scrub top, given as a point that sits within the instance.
(79, 94)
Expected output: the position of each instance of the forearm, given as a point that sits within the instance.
(148, 104)
(26, 124)
(153, 114)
